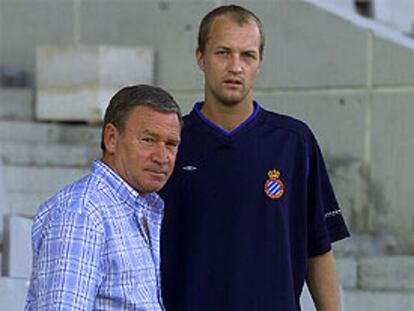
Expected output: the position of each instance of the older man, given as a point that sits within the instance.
(96, 242)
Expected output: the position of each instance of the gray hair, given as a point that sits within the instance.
(130, 97)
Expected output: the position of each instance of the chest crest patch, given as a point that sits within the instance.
(274, 187)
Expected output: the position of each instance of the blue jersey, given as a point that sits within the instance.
(244, 212)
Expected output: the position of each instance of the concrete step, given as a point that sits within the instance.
(30, 179)
(394, 273)
(13, 293)
(26, 187)
(377, 283)
(390, 273)
(26, 204)
(48, 154)
(347, 269)
(365, 245)
(41, 132)
(361, 300)
(17, 244)
(16, 104)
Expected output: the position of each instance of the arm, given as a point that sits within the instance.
(67, 257)
(322, 281)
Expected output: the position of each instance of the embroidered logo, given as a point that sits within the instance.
(333, 213)
(274, 187)
(189, 168)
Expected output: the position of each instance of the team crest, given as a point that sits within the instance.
(274, 187)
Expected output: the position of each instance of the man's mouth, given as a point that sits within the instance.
(233, 83)
(155, 172)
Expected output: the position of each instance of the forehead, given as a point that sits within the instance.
(226, 31)
(146, 118)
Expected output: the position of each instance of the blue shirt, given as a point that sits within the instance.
(96, 247)
(244, 210)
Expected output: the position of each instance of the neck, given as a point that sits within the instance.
(227, 117)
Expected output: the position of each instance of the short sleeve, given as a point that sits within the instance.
(325, 221)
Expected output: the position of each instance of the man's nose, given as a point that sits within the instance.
(235, 64)
(160, 153)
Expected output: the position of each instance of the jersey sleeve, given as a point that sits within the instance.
(325, 220)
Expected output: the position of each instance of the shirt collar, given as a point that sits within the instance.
(124, 191)
(199, 105)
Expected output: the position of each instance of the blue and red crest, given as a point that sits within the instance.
(274, 187)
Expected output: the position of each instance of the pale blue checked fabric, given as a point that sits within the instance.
(91, 249)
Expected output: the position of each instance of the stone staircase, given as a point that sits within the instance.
(36, 160)
(39, 158)
(371, 280)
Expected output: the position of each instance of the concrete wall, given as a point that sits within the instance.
(350, 79)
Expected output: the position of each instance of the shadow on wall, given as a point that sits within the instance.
(364, 205)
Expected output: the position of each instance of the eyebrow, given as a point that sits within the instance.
(229, 49)
(148, 132)
(223, 47)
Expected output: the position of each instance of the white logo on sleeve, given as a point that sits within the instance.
(189, 168)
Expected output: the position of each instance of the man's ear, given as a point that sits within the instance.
(110, 138)
(200, 58)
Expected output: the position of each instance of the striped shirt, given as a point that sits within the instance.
(96, 247)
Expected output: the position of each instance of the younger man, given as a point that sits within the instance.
(250, 211)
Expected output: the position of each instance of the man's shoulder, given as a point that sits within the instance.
(188, 119)
(81, 197)
(284, 121)
(192, 127)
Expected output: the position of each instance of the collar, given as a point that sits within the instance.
(124, 191)
(199, 105)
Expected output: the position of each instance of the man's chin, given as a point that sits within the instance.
(231, 100)
(156, 186)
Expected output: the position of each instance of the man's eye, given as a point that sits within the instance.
(250, 55)
(221, 52)
(147, 140)
(172, 145)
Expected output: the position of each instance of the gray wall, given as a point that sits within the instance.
(350, 79)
